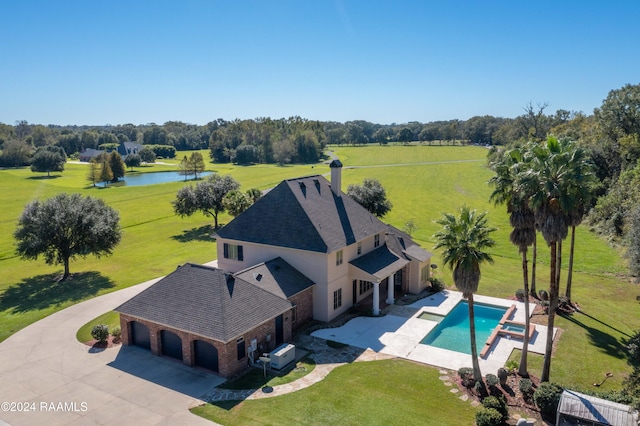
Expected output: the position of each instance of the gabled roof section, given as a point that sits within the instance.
(379, 263)
(277, 277)
(401, 244)
(304, 214)
(205, 301)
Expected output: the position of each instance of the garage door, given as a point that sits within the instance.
(140, 335)
(171, 344)
(206, 355)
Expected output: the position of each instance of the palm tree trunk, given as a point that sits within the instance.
(533, 269)
(522, 370)
(570, 273)
(477, 375)
(553, 302)
(558, 265)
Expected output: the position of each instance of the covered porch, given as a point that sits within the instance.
(379, 268)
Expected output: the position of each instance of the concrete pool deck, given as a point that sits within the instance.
(400, 331)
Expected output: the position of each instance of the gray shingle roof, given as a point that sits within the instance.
(401, 244)
(380, 263)
(277, 277)
(304, 214)
(205, 301)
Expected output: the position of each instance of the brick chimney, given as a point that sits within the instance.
(336, 176)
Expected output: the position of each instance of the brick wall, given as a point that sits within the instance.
(304, 307)
(228, 363)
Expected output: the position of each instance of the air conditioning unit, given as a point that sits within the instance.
(282, 356)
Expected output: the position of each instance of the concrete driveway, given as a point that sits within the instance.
(45, 370)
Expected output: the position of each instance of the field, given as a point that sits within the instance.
(422, 182)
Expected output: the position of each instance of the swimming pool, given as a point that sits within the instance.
(452, 332)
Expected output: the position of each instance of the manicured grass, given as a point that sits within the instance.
(256, 379)
(377, 392)
(111, 318)
(156, 241)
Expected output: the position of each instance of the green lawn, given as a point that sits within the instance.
(376, 392)
(155, 241)
(111, 319)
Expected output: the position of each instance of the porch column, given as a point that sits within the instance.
(376, 298)
(390, 299)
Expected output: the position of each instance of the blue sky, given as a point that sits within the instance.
(116, 62)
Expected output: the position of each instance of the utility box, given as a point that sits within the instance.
(282, 356)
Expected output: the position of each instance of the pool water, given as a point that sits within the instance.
(452, 332)
(153, 178)
(516, 328)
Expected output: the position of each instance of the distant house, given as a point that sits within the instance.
(128, 148)
(89, 153)
(305, 250)
(209, 318)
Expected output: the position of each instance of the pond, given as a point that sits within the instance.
(153, 178)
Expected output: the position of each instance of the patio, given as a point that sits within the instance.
(399, 332)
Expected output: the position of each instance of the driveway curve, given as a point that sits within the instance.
(48, 377)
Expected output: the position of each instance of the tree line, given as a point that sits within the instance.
(267, 140)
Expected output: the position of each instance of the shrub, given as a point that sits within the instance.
(492, 380)
(547, 397)
(520, 294)
(488, 417)
(543, 295)
(100, 332)
(498, 404)
(116, 333)
(633, 348)
(511, 365)
(466, 377)
(436, 285)
(526, 387)
(503, 374)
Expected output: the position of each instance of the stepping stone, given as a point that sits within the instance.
(464, 397)
(444, 378)
(455, 390)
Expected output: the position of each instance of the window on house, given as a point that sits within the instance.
(365, 286)
(376, 240)
(337, 298)
(233, 251)
(339, 257)
(359, 249)
(424, 274)
(294, 313)
(241, 348)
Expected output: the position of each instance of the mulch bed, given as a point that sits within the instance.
(110, 343)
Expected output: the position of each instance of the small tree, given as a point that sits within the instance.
(254, 194)
(133, 160)
(117, 166)
(547, 398)
(67, 226)
(206, 196)
(94, 173)
(147, 155)
(49, 158)
(100, 332)
(235, 202)
(371, 195)
(106, 175)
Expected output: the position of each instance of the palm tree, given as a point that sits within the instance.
(552, 182)
(522, 220)
(584, 181)
(465, 239)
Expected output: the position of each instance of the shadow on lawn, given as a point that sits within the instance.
(203, 233)
(602, 340)
(44, 291)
